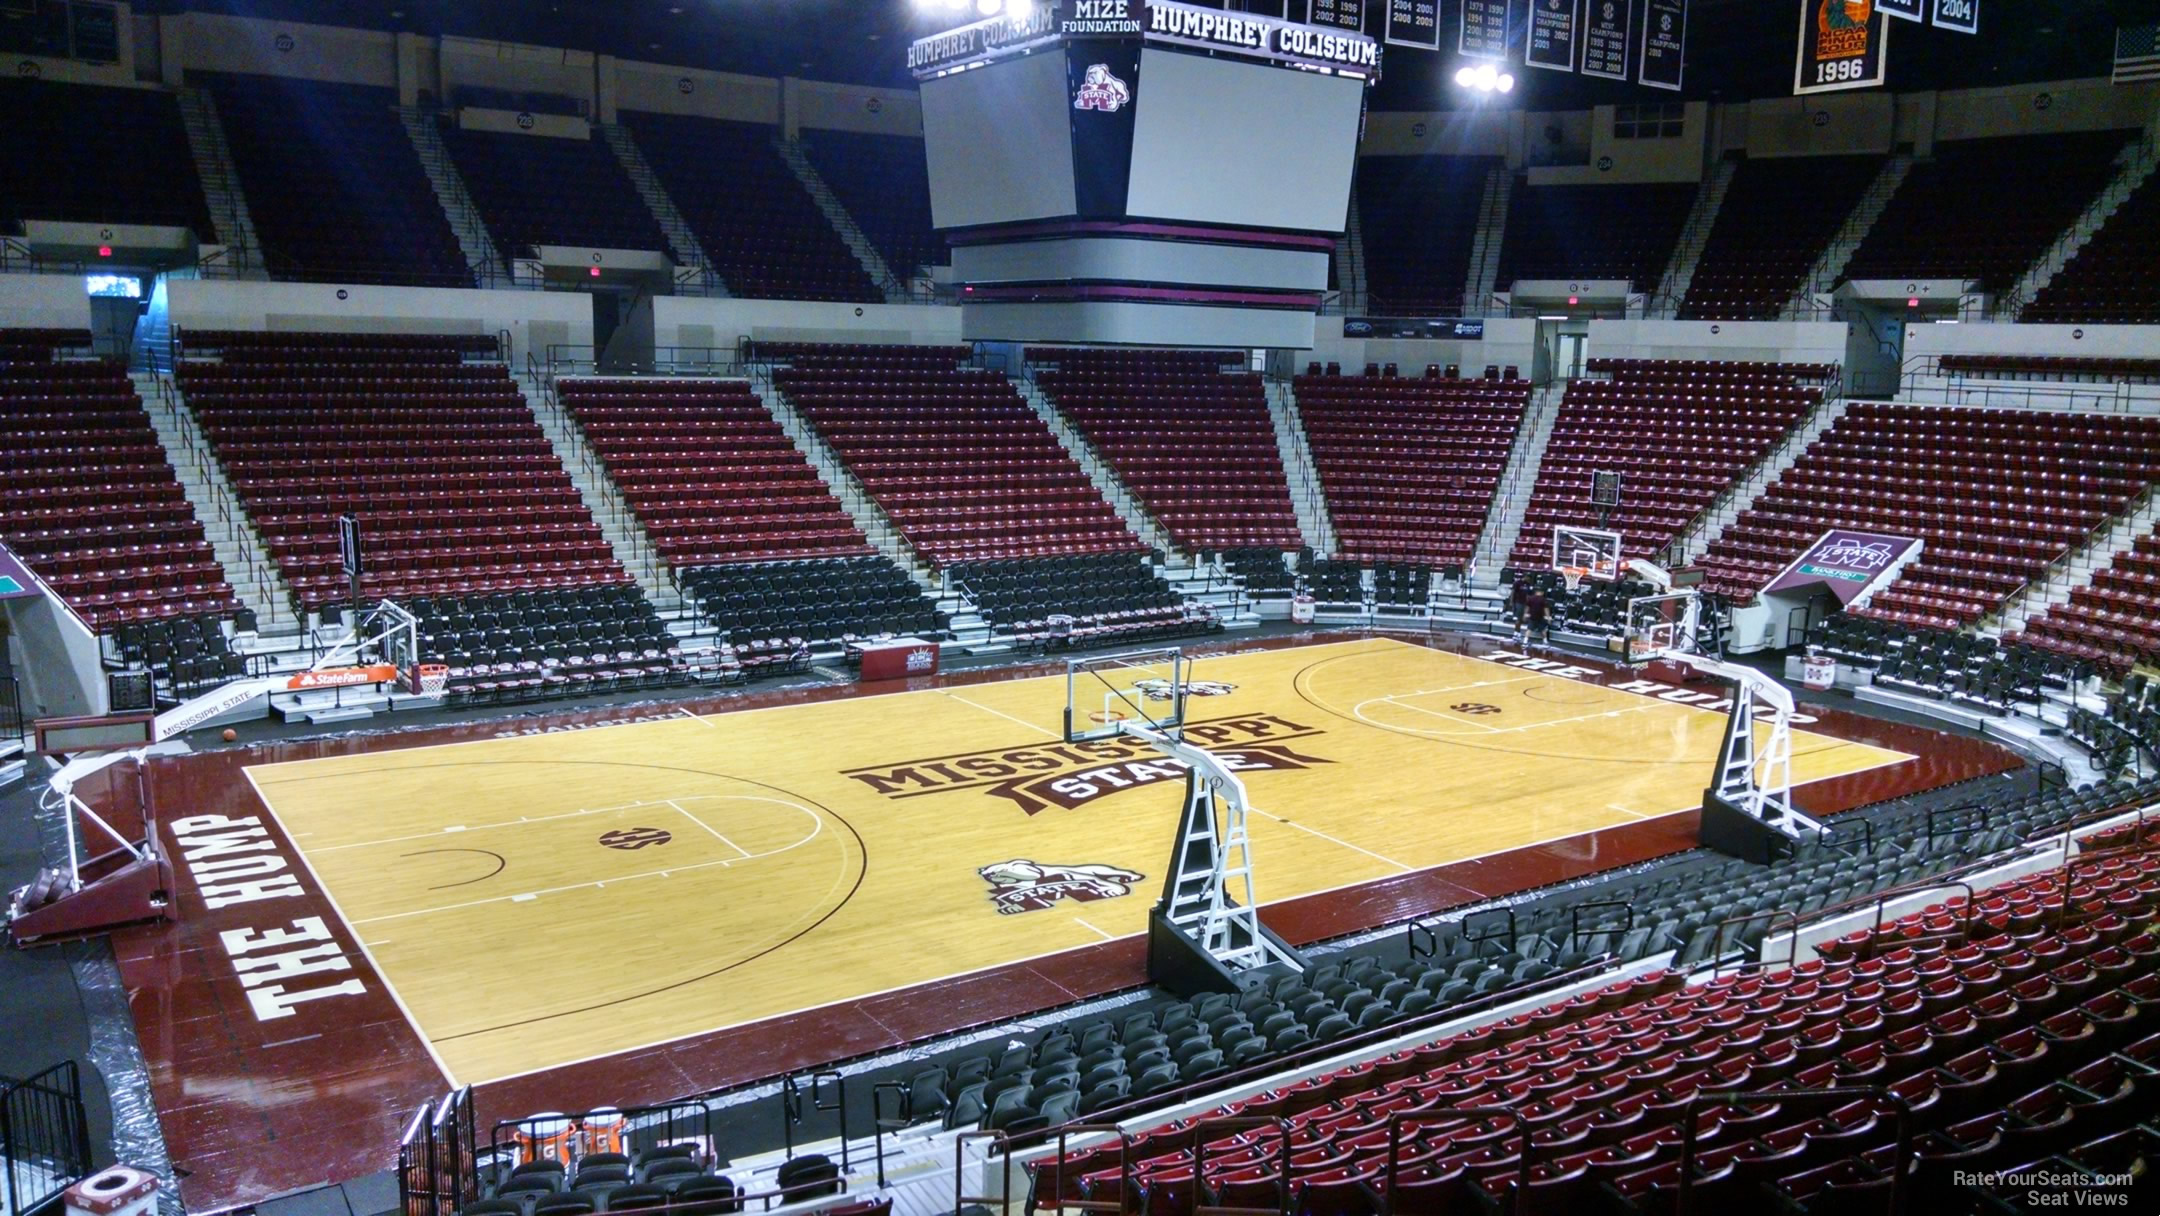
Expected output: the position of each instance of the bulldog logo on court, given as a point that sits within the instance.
(1161, 690)
(1020, 885)
(635, 838)
(1101, 91)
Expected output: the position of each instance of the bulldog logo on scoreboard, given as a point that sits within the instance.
(1020, 885)
(1102, 91)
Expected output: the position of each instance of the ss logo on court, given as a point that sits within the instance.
(634, 838)
(1475, 707)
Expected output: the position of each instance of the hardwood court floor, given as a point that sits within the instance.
(537, 901)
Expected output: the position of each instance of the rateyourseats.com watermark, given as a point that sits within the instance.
(2055, 1188)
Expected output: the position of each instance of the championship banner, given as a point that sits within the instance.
(1903, 10)
(1844, 562)
(1664, 44)
(1414, 23)
(1338, 14)
(1551, 44)
(1605, 39)
(1960, 15)
(1484, 29)
(1843, 45)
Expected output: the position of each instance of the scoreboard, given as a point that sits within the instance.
(1100, 161)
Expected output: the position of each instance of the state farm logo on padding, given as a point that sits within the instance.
(1101, 90)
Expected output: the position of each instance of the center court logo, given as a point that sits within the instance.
(1101, 90)
(635, 838)
(1021, 885)
(1070, 775)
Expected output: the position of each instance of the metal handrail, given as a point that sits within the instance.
(1684, 1199)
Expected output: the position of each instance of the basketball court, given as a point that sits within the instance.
(537, 901)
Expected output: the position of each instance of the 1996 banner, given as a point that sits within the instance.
(1843, 45)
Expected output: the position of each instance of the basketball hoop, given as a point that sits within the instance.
(1573, 577)
(1105, 717)
(434, 678)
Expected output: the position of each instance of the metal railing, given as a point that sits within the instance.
(44, 1136)
(11, 719)
(574, 359)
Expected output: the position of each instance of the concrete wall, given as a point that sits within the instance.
(209, 42)
(2058, 106)
(43, 301)
(664, 89)
(694, 321)
(518, 67)
(2088, 341)
(125, 70)
(1764, 341)
(1830, 124)
(1507, 341)
(1614, 160)
(815, 105)
(534, 319)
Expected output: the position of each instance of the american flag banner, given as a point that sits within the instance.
(2137, 53)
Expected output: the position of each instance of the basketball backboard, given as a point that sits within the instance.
(1660, 625)
(1143, 687)
(1594, 551)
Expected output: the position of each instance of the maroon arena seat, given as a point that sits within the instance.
(1777, 216)
(952, 454)
(1930, 230)
(456, 487)
(760, 228)
(87, 496)
(1193, 442)
(709, 473)
(1996, 494)
(1593, 232)
(1678, 432)
(1409, 465)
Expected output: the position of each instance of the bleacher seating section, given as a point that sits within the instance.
(1262, 569)
(759, 227)
(812, 600)
(2059, 368)
(546, 190)
(2026, 1039)
(294, 145)
(2109, 280)
(1995, 494)
(91, 501)
(1419, 216)
(1106, 596)
(1992, 675)
(1929, 230)
(102, 155)
(884, 182)
(2112, 622)
(952, 454)
(456, 488)
(1677, 431)
(1777, 215)
(1195, 444)
(1409, 466)
(1593, 232)
(708, 472)
(566, 642)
